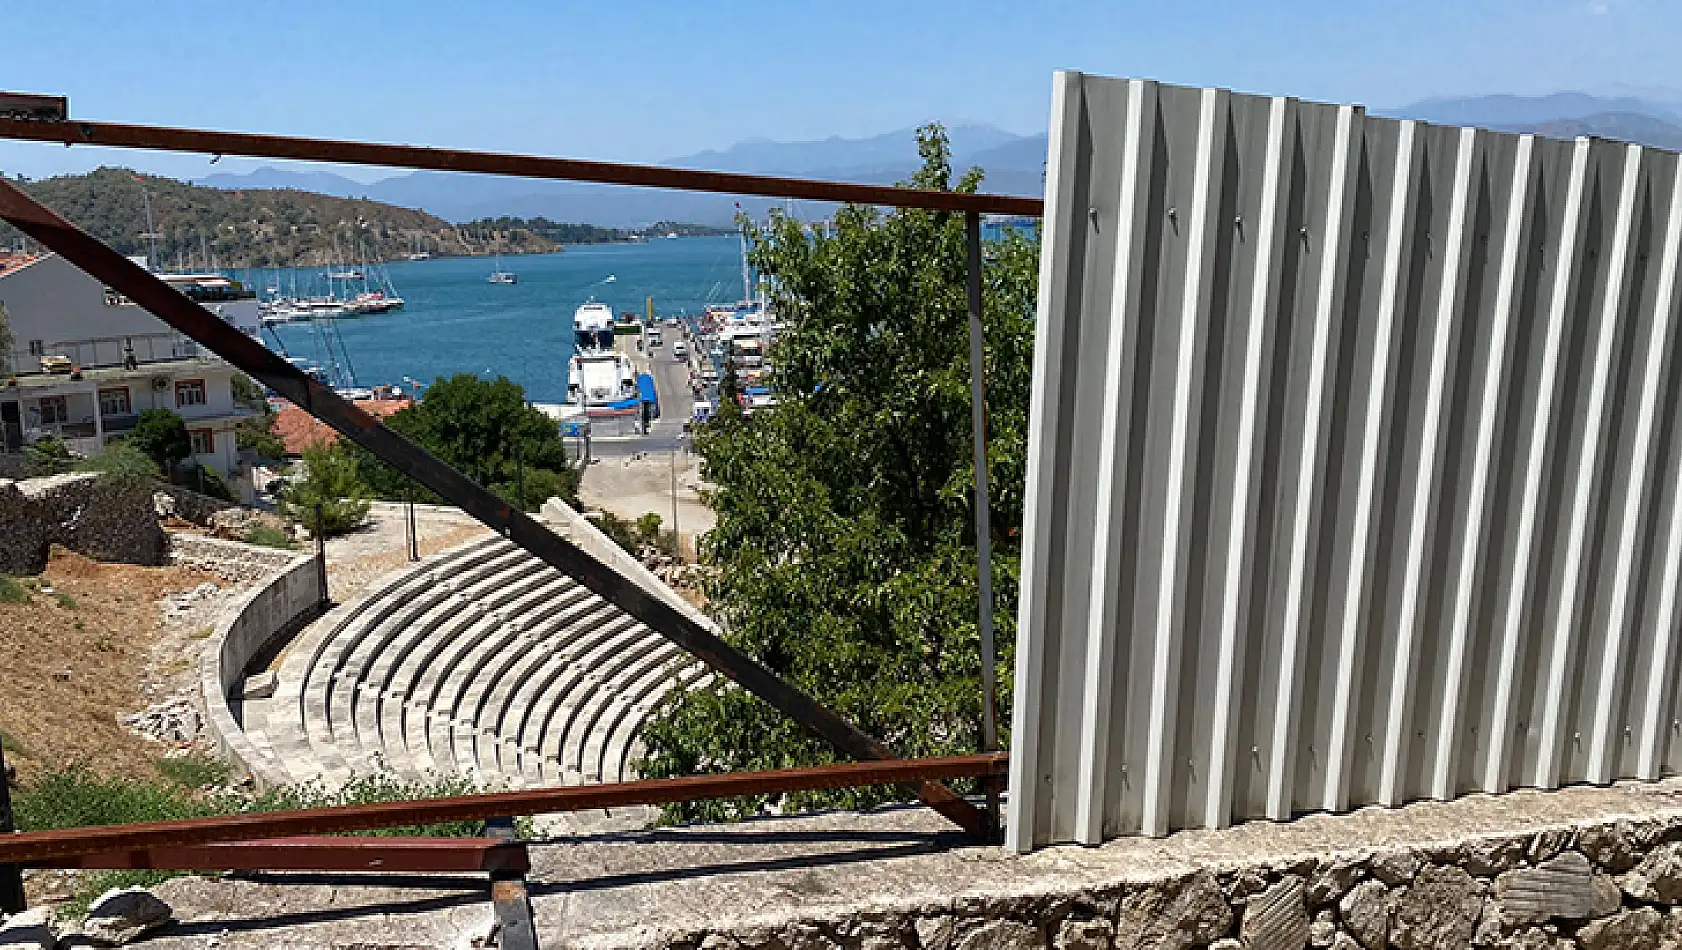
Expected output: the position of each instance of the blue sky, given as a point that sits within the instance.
(645, 81)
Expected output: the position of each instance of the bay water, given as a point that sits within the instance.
(455, 321)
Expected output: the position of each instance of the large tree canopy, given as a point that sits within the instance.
(484, 428)
(844, 554)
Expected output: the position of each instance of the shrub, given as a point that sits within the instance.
(48, 455)
(12, 592)
(206, 480)
(268, 536)
(121, 459)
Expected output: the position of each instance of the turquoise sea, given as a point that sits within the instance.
(457, 322)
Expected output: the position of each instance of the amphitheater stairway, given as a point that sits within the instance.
(479, 661)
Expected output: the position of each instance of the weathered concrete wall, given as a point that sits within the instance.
(292, 596)
(108, 519)
(583, 532)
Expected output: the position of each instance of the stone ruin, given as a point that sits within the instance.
(105, 518)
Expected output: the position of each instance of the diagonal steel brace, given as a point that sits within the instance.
(169, 305)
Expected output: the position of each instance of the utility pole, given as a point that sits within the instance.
(677, 539)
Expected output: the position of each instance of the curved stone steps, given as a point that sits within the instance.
(354, 700)
(581, 647)
(481, 660)
(289, 721)
(403, 706)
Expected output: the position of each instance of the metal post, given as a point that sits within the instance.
(983, 513)
(414, 530)
(517, 930)
(677, 539)
(320, 553)
(520, 474)
(11, 876)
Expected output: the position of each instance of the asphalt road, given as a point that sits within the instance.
(671, 381)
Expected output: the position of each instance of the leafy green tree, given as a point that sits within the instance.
(331, 481)
(162, 435)
(257, 434)
(844, 553)
(484, 428)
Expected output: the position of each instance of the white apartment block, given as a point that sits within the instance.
(86, 362)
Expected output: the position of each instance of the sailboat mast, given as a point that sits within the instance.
(747, 279)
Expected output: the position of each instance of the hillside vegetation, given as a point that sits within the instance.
(199, 226)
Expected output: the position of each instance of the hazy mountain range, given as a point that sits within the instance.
(1014, 163)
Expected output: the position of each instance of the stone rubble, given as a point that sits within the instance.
(124, 915)
(30, 930)
(185, 602)
(173, 720)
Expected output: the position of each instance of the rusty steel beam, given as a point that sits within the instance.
(170, 139)
(408, 855)
(43, 846)
(165, 302)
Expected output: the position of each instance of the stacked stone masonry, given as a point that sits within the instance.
(108, 519)
(1599, 887)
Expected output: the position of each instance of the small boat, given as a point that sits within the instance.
(345, 275)
(500, 276)
(592, 327)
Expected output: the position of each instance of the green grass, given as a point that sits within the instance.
(194, 771)
(12, 591)
(73, 797)
(268, 536)
(64, 600)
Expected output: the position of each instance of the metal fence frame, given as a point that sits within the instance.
(188, 317)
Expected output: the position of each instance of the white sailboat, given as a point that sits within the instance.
(500, 276)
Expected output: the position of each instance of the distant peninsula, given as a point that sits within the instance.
(198, 227)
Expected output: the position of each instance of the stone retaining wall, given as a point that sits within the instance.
(1610, 886)
(108, 519)
(291, 597)
(233, 560)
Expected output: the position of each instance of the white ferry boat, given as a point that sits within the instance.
(600, 381)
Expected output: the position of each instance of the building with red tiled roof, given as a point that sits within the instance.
(299, 430)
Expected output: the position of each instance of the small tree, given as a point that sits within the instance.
(163, 437)
(257, 434)
(331, 481)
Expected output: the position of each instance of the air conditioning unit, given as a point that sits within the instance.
(160, 383)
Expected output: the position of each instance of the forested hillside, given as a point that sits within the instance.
(198, 227)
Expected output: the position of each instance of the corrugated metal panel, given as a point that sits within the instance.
(1355, 464)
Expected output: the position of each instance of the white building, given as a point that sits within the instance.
(86, 362)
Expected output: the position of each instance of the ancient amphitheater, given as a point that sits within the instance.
(480, 661)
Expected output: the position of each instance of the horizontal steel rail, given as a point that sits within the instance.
(54, 846)
(168, 304)
(164, 138)
(405, 855)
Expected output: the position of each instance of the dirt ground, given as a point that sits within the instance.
(632, 486)
(74, 660)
